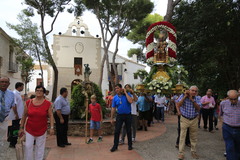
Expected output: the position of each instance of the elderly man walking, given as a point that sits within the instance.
(208, 104)
(6, 103)
(61, 116)
(230, 111)
(188, 106)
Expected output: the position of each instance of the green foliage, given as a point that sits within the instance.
(77, 102)
(150, 75)
(27, 66)
(78, 99)
(138, 33)
(208, 43)
(141, 73)
(30, 40)
(123, 13)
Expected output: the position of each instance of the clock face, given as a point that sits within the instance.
(79, 47)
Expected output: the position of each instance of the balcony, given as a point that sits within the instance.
(13, 67)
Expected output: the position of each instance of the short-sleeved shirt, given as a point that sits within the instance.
(160, 99)
(9, 101)
(95, 111)
(187, 109)
(122, 104)
(62, 104)
(230, 113)
(205, 99)
(19, 105)
(142, 104)
(37, 117)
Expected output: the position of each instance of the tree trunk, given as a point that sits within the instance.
(40, 63)
(55, 70)
(101, 71)
(170, 8)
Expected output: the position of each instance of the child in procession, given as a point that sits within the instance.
(96, 118)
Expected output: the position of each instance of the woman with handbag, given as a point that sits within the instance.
(36, 111)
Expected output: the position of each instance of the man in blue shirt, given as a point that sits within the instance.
(61, 117)
(6, 103)
(122, 103)
(6, 99)
(143, 108)
(188, 106)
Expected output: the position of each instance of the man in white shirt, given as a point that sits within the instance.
(16, 114)
(160, 102)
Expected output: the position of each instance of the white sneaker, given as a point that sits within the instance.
(133, 140)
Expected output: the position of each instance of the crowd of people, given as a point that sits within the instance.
(130, 111)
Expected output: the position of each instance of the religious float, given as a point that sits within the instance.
(165, 72)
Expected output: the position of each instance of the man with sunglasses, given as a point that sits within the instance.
(230, 112)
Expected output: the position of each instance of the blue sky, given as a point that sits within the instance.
(10, 8)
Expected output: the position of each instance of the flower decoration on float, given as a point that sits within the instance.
(160, 84)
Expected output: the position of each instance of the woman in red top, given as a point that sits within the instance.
(36, 112)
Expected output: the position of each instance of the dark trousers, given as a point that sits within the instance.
(160, 113)
(232, 141)
(187, 140)
(61, 129)
(150, 116)
(12, 132)
(127, 120)
(208, 115)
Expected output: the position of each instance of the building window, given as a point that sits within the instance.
(78, 66)
(13, 67)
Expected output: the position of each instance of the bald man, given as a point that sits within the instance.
(230, 112)
(6, 98)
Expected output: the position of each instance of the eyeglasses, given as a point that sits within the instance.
(39, 90)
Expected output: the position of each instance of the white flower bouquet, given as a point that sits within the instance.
(160, 84)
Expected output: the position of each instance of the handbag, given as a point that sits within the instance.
(20, 148)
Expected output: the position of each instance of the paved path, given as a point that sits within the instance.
(210, 145)
(158, 143)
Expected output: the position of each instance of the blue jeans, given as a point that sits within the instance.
(232, 141)
(160, 113)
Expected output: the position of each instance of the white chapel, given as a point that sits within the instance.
(76, 47)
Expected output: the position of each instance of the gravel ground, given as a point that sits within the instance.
(210, 146)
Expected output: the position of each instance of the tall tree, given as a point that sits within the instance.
(27, 66)
(50, 8)
(138, 35)
(29, 41)
(208, 43)
(116, 18)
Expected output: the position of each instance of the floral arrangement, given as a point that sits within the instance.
(160, 84)
(142, 74)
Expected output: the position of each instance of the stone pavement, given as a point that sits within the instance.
(158, 143)
(79, 150)
(210, 146)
